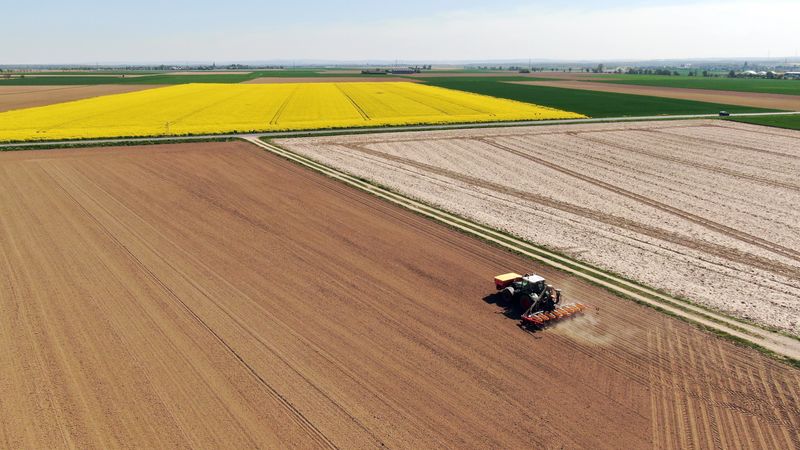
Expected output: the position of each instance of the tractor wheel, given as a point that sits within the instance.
(525, 302)
(505, 296)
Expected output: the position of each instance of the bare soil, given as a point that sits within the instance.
(706, 210)
(759, 100)
(212, 295)
(369, 79)
(18, 97)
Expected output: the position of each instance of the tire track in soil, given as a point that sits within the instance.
(372, 201)
(302, 420)
(221, 205)
(707, 223)
(763, 422)
(731, 254)
(353, 377)
(49, 406)
(57, 366)
(502, 133)
(761, 378)
(689, 163)
(88, 195)
(424, 222)
(65, 179)
(120, 326)
(388, 312)
(603, 162)
(710, 429)
(283, 106)
(715, 142)
(64, 404)
(626, 324)
(657, 429)
(758, 129)
(357, 107)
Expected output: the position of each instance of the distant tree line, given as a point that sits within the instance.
(666, 72)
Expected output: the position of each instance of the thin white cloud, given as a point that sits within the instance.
(718, 28)
(702, 29)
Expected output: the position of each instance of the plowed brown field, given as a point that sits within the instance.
(212, 295)
(18, 97)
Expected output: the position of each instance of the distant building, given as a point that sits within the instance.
(792, 75)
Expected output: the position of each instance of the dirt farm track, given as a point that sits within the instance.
(213, 295)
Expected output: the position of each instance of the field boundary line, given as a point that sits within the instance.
(382, 129)
(765, 340)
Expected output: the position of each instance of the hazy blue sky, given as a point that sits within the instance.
(85, 31)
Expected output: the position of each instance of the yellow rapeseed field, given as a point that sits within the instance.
(227, 108)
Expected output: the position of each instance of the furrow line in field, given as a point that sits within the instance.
(244, 324)
(710, 224)
(727, 144)
(555, 129)
(301, 419)
(353, 376)
(691, 163)
(721, 251)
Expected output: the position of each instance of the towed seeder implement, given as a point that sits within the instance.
(538, 301)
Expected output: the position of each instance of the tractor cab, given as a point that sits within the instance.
(531, 284)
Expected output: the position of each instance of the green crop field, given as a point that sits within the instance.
(148, 79)
(791, 122)
(760, 85)
(183, 79)
(56, 80)
(164, 78)
(590, 103)
(81, 72)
